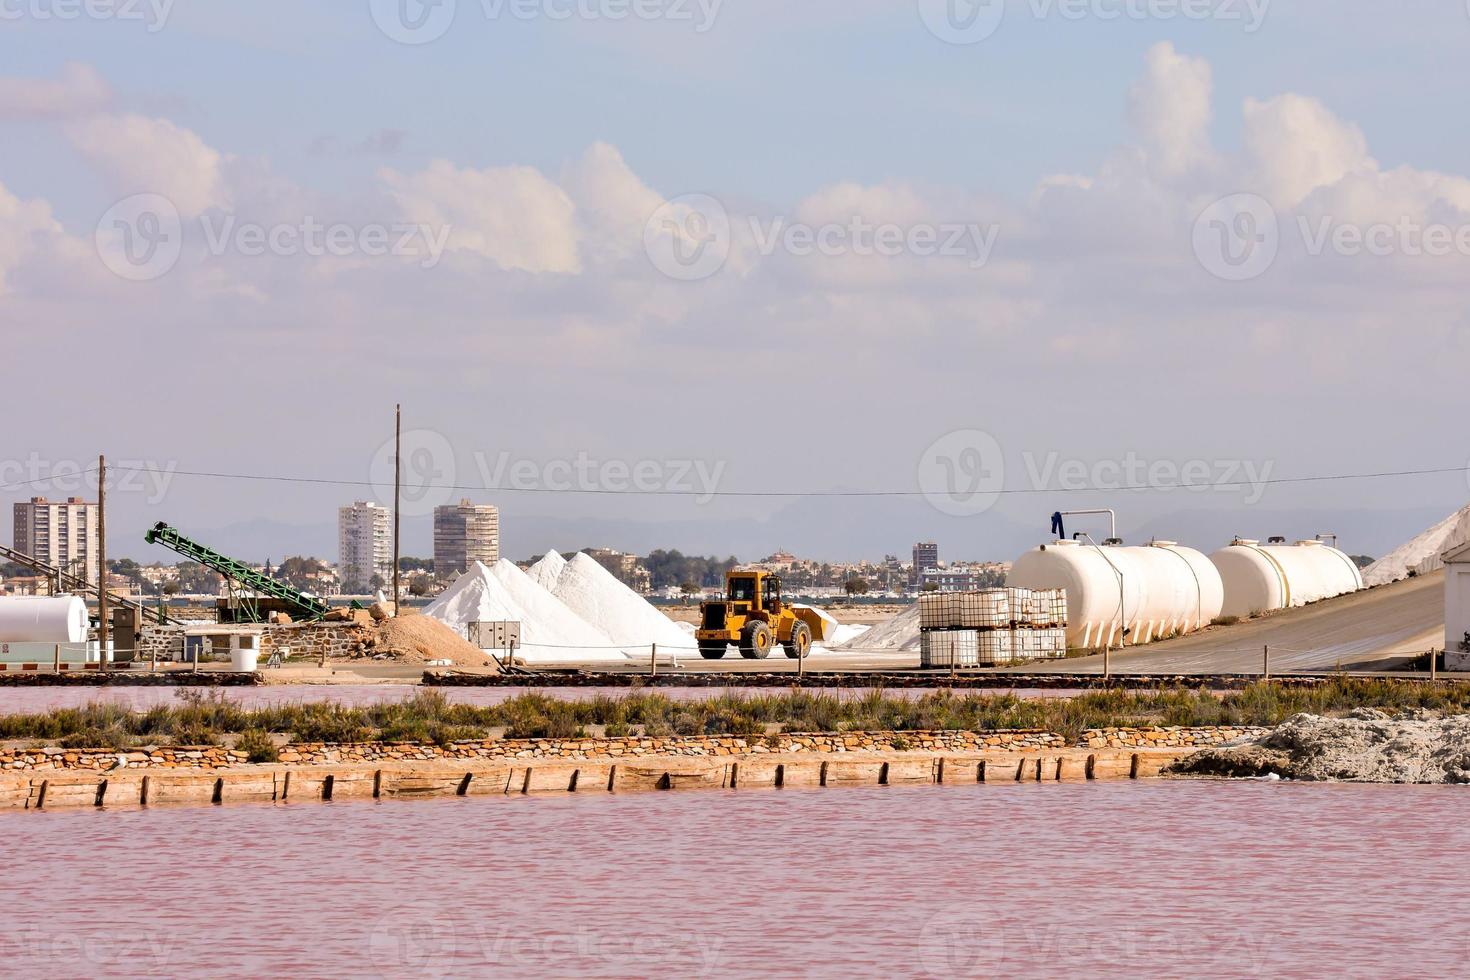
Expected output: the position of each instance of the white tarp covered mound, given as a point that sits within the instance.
(556, 635)
(596, 595)
(548, 570)
(1421, 554)
(897, 635)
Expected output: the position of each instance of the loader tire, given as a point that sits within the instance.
(800, 643)
(756, 641)
(712, 651)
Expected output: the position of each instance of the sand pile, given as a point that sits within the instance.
(1420, 554)
(593, 593)
(412, 638)
(897, 635)
(1367, 746)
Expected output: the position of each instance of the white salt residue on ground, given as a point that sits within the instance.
(593, 593)
(1420, 554)
(546, 571)
(479, 596)
(897, 635)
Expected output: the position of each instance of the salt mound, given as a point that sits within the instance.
(550, 632)
(593, 593)
(897, 635)
(546, 571)
(1421, 554)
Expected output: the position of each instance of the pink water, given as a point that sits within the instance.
(32, 700)
(1082, 880)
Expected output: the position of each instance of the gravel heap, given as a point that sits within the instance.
(1366, 746)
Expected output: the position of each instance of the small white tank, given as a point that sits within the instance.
(1120, 596)
(43, 619)
(1261, 578)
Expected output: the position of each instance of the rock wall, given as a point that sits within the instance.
(312, 640)
(1146, 738)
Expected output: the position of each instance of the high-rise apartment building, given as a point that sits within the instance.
(465, 533)
(62, 534)
(926, 557)
(364, 544)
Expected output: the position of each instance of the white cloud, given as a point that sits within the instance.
(1296, 144)
(613, 204)
(138, 155)
(1170, 109)
(25, 226)
(514, 216)
(79, 90)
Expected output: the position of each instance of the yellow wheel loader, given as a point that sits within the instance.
(753, 617)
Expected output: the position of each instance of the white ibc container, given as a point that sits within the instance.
(1262, 578)
(994, 647)
(43, 619)
(948, 648)
(1118, 596)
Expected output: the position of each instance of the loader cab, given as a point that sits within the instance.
(754, 591)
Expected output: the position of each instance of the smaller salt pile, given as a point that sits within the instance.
(596, 595)
(1420, 554)
(550, 634)
(897, 635)
(547, 571)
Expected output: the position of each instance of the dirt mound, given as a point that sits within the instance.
(1367, 746)
(413, 638)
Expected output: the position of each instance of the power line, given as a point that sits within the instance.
(636, 492)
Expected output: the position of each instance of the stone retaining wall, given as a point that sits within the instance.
(687, 746)
(339, 640)
(1118, 738)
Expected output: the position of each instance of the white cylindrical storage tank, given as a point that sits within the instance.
(1124, 596)
(43, 619)
(1262, 578)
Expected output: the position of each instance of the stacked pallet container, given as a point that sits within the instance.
(992, 627)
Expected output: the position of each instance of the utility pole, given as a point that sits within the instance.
(102, 626)
(397, 494)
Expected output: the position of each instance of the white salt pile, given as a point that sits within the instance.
(593, 593)
(1420, 554)
(555, 635)
(548, 570)
(897, 635)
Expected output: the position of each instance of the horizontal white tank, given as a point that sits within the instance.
(1120, 596)
(43, 619)
(1261, 578)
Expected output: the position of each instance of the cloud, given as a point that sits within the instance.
(137, 155)
(79, 90)
(1296, 145)
(25, 226)
(514, 216)
(1170, 109)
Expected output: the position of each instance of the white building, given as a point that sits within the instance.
(62, 534)
(465, 533)
(364, 544)
(1457, 608)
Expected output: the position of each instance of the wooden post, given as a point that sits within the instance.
(397, 494)
(102, 612)
(800, 667)
(1266, 662)
(1433, 665)
(653, 661)
(57, 663)
(1107, 663)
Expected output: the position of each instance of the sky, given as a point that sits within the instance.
(1180, 258)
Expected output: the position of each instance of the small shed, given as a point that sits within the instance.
(1457, 608)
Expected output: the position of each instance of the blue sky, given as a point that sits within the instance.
(539, 147)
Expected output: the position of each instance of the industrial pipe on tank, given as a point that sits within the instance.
(1112, 519)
